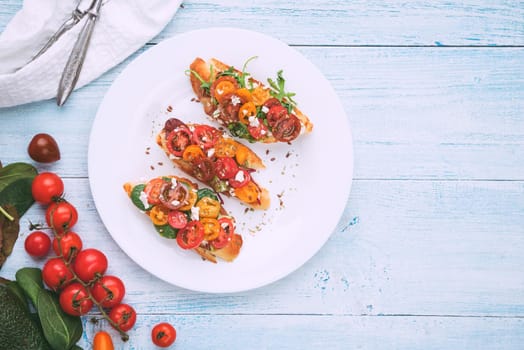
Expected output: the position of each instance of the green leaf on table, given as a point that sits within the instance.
(61, 330)
(9, 230)
(30, 280)
(15, 186)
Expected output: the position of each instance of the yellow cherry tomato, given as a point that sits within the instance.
(211, 228)
(247, 110)
(249, 193)
(226, 147)
(192, 152)
(260, 95)
(244, 94)
(209, 208)
(223, 88)
(191, 200)
(158, 214)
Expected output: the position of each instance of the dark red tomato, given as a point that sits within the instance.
(37, 244)
(173, 123)
(153, 189)
(287, 129)
(205, 136)
(272, 102)
(43, 148)
(70, 245)
(124, 316)
(178, 140)
(203, 169)
(47, 187)
(259, 131)
(90, 263)
(225, 168)
(276, 113)
(177, 219)
(61, 216)
(109, 291)
(74, 300)
(56, 274)
(229, 107)
(163, 335)
(227, 229)
(240, 179)
(190, 236)
(174, 196)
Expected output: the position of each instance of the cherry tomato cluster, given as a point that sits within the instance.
(77, 274)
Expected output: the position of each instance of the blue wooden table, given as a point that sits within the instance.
(429, 253)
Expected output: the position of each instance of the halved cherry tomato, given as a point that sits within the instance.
(242, 155)
(275, 114)
(227, 229)
(208, 207)
(287, 129)
(205, 136)
(222, 86)
(190, 236)
(260, 95)
(191, 200)
(152, 189)
(272, 102)
(174, 194)
(226, 147)
(211, 228)
(247, 110)
(248, 193)
(192, 152)
(178, 140)
(259, 131)
(225, 168)
(244, 94)
(158, 215)
(177, 219)
(203, 169)
(240, 179)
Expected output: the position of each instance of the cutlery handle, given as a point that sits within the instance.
(76, 58)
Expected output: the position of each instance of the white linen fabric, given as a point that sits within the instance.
(122, 28)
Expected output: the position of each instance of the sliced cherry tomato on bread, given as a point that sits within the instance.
(227, 229)
(177, 219)
(190, 236)
(205, 136)
(225, 168)
(178, 140)
(240, 179)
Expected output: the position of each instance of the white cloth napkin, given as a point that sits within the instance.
(122, 28)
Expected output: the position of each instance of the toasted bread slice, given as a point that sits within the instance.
(194, 217)
(215, 159)
(244, 105)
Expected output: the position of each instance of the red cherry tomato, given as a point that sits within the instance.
(124, 316)
(190, 236)
(240, 179)
(163, 334)
(70, 245)
(203, 169)
(177, 219)
(153, 189)
(259, 131)
(227, 229)
(89, 263)
(109, 291)
(275, 113)
(225, 168)
(61, 216)
(205, 136)
(47, 187)
(178, 140)
(287, 129)
(37, 244)
(74, 300)
(56, 274)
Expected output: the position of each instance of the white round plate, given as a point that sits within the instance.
(309, 180)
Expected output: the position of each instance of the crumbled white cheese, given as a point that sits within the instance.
(216, 113)
(235, 100)
(175, 203)
(143, 199)
(173, 182)
(191, 128)
(195, 213)
(240, 176)
(220, 91)
(265, 109)
(263, 132)
(210, 152)
(171, 156)
(254, 122)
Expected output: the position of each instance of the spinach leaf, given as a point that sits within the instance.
(166, 231)
(240, 130)
(30, 280)
(15, 186)
(61, 330)
(14, 171)
(9, 229)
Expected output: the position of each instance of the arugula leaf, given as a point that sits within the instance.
(204, 85)
(278, 91)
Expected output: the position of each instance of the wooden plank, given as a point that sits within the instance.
(414, 247)
(325, 332)
(328, 22)
(416, 113)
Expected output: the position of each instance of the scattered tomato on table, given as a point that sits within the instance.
(163, 334)
(43, 148)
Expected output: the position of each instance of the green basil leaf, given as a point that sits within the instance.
(15, 171)
(9, 230)
(30, 280)
(18, 193)
(61, 330)
(135, 197)
(206, 192)
(166, 231)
